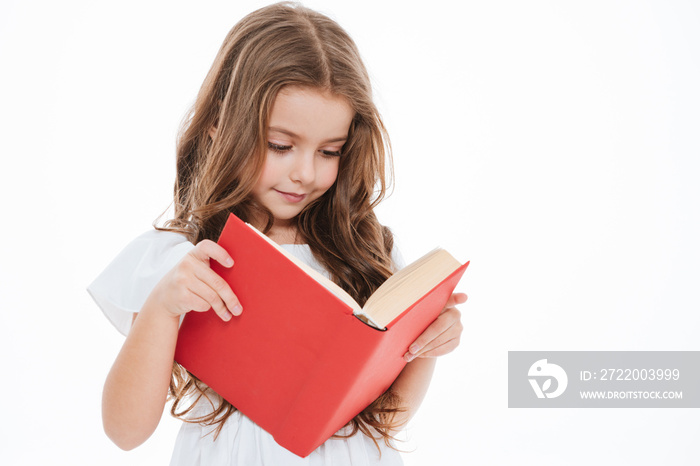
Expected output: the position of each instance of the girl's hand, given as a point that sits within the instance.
(442, 336)
(193, 286)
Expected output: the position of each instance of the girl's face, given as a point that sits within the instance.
(307, 130)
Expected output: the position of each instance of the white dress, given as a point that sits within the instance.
(122, 288)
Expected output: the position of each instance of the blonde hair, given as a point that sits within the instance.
(280, 45)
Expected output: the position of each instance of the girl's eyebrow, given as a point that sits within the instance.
(289, 133)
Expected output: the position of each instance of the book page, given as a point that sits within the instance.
(409, 284)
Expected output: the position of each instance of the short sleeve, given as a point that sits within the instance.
(397, 259)
(122, 288)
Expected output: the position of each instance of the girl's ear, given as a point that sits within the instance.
(212, 132)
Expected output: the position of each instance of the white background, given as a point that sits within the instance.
(554, 144)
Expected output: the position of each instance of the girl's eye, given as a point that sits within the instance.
(281, 149)
(278, 148)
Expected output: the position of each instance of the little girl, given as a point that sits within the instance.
(283, 134)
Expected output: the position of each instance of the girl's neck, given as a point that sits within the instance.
(284, 232)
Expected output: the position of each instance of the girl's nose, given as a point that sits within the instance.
(303, 169)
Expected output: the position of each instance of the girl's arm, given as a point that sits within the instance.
(441, 337)
(136, 388)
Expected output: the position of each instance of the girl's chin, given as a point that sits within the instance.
(285, 215)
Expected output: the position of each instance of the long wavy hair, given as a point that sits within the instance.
(280, 45)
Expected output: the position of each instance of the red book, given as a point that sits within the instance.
(298, 361)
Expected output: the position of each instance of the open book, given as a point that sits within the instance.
(298, 361)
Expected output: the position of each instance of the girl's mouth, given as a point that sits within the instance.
(292, 197)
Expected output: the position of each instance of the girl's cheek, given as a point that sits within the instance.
(269, 171)
(329, 176)
(260, 187)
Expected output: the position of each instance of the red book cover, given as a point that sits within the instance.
(296, 361)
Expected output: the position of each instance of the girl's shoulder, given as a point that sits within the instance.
(123, 286)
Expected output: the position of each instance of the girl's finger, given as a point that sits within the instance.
(442, 324)
(455, 299)
(452, 333)
(207, 249)
(441, 350)
(223, 291)
(211, 299)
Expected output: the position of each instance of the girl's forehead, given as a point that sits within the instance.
(309, 112)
